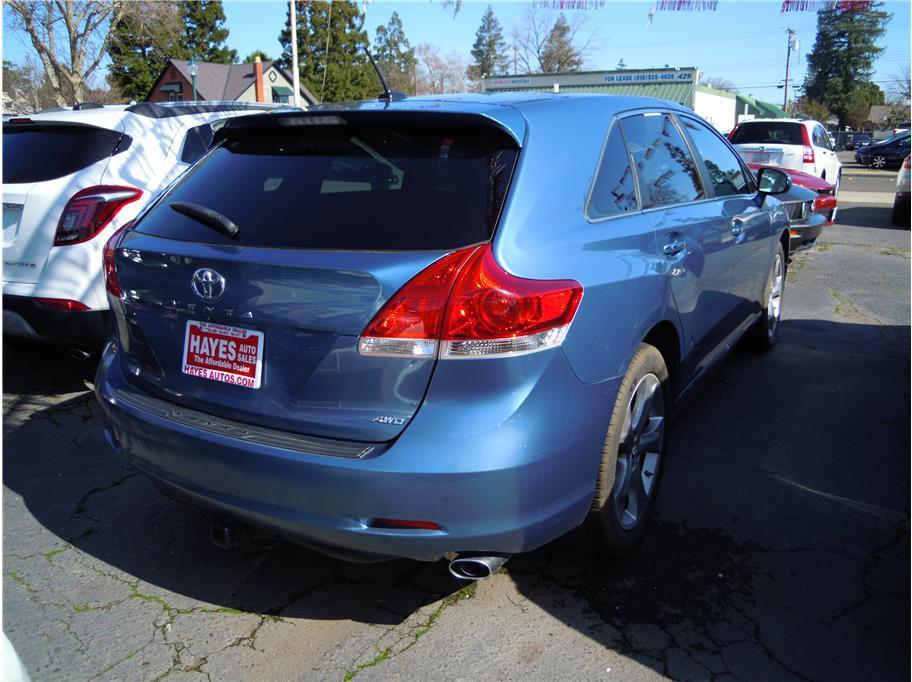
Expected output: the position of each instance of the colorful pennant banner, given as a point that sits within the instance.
(571, 4)
(814, 5)
(685, 5)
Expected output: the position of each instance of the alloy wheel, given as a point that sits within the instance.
(879, 162)
(642, 437)
(774, 300)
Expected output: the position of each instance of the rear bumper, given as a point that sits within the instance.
(502, 456)
(23, 317)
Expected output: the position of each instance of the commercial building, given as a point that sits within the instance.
(676, 84)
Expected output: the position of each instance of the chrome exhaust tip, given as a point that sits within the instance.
(476, 567)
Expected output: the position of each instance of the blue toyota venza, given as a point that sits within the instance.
(437, 326)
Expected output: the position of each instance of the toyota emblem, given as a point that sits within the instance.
(208, 284)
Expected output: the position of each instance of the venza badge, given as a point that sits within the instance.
(208, 284)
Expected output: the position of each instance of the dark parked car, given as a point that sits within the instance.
(449, 324)
(811, 206)
(885, 154)
(857, 141)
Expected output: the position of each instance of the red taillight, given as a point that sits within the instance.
(731, 135)
(808, 149)
(492, 312)
(476, 308)
(108, 263)
(409, 323)
(61, 304)
(90, 210)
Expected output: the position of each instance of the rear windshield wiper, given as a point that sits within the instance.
(207, 217)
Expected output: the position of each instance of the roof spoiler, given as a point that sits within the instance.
(294, 118)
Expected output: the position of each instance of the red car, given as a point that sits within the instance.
(807, 221)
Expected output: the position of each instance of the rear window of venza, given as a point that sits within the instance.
(387, 187)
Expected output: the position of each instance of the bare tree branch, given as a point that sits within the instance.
(81, 27)
(530, 37)
(437, 74)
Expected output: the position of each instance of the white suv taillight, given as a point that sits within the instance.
(808, 148)
(90, 210)
(466, 306)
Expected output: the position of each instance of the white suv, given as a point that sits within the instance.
(788, 143)
(70, 180)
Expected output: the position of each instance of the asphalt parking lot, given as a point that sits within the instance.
(780, 549)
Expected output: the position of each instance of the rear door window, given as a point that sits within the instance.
(347, 187)
(39, 152)
(722, 165)
(768, 132)
(196, 143)
(614, 191)
(820, 138)
(665, 170)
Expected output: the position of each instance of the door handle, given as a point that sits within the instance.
(737, 226)
(672, 248)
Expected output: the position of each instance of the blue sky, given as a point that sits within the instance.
(741, 41)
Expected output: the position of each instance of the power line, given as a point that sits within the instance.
(767, 85)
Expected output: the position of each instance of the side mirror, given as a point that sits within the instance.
(773, 181)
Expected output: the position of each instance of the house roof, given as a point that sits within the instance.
(222, 82)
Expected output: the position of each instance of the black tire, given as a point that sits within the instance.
(604, 533)
(879, 162)
(764, 333)
(900, 215)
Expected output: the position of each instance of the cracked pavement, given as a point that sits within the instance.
(780, 548)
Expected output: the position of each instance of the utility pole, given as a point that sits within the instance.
(295, 75)
(792, 41)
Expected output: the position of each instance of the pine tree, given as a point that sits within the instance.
(205, 32)
(344, 73)
(559, 54)
(141, 43)
(842, 61)
(489, 50)
(257, 53)
(394, 56)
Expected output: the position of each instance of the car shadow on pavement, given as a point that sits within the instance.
(776, 552)
(880, 217)
(780, 544)
(34, 368)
